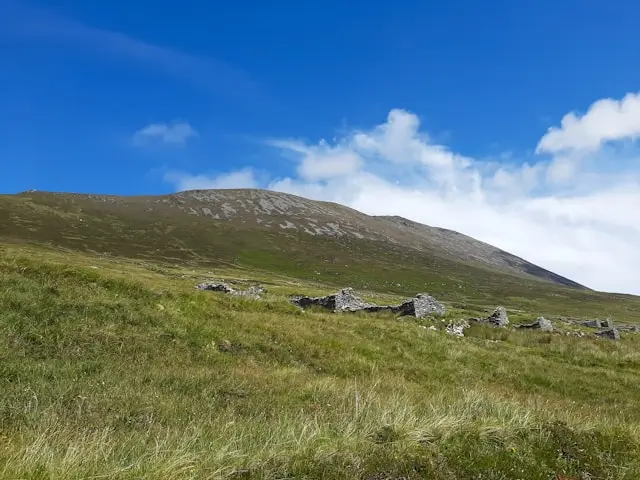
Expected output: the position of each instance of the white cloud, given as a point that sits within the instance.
(322, 162)
(576, 216)
(606, 120)
(244, 178)
(175, 134)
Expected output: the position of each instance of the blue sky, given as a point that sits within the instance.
(483, 78)
(151, 97)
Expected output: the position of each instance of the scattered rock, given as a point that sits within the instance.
(346, 300)
(254, 292)
(574, 334)
(215, 287)
(457, 328)
(541, 324)
(612, 334)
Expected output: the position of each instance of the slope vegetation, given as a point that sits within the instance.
(275, 215)
(112, 365)
(313, 241)
(113, 368)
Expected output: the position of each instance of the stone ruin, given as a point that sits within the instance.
(346, 300)
(421, 306)
(606, 323)
(611, 334)
(498, 318)
(541, 324)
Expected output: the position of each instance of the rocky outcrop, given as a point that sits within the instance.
(346, 300)
(498, 318)
(541, 324)
(254, 292)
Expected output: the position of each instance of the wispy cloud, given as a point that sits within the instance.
(586, 227)
(24, 20)
(175, 134)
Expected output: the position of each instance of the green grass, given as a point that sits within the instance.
(167, 237)
(116, 368)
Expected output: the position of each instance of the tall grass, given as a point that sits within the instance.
(126, 372)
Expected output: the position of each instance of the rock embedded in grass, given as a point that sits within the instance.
(254, 292)
(215, 287)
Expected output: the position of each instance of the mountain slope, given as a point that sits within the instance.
(138, 374)
(469, 249)
(283, 213)
(284, 234)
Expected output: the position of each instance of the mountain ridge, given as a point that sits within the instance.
(270, 211)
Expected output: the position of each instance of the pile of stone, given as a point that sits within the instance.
(606, 328)
(457, 328)
(346, 300)
(254, 292)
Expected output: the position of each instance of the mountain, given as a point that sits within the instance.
(276, 232)
(105, 340)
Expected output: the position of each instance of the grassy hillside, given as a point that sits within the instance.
(156, 230)
(119, 368)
